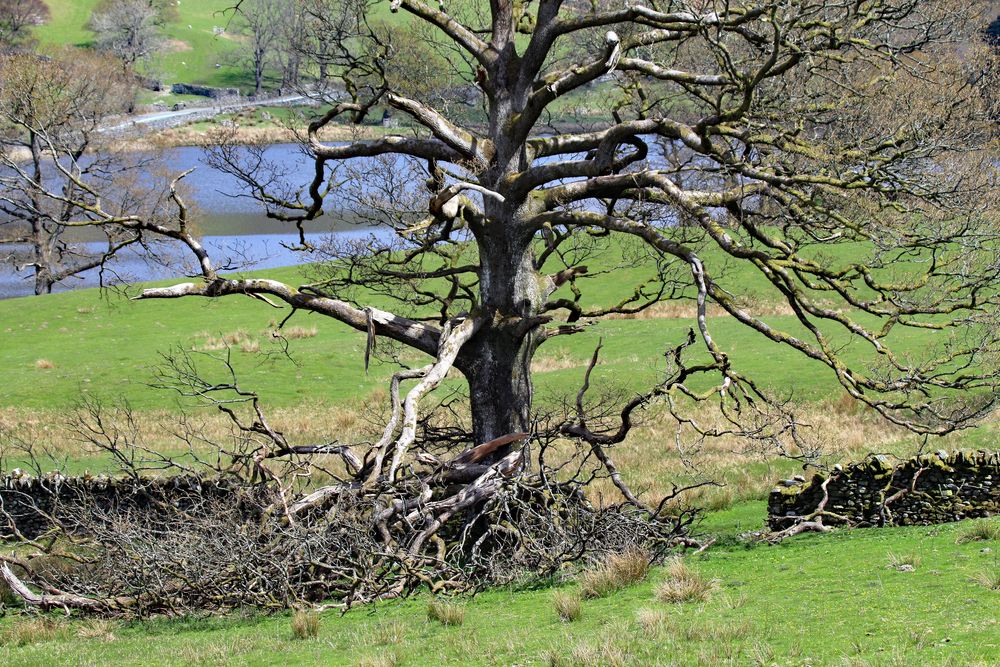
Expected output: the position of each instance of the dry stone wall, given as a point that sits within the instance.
(926, 489)
(29, 505)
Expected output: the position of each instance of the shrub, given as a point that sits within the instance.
(446, 613)
(684, 584)
(305, 624)
(980, 530)
(616, 572)
(568, 606)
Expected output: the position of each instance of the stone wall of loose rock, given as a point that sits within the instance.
(204, 91)
(30, 504)
(927, 489)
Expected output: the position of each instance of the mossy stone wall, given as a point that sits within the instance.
(926, 489)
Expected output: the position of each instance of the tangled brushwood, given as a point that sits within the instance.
(262, 531)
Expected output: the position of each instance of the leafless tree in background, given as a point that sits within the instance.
(264, 23)
(17, 18)
(50, 175)
(129, 30)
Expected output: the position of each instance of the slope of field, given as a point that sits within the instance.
(814, 600)
(192, 49)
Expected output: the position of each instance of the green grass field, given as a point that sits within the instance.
(830, 599)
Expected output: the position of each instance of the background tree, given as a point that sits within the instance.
(51, 110)
(17, 18)
(264, 23)
(129, 30)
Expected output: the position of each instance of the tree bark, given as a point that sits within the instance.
(498, 359)
(40, 240)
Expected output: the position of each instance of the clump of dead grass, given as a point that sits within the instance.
(568, 606)
(556, 360)
(989, 578)
(979, 530)
(684, 584)
(389, 659)
(97, 629)
(305, 624)
(614, 573)
(903, 562)
(32, 631)
(446, 613)
(295, 333)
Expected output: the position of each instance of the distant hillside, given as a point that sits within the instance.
(195, 54)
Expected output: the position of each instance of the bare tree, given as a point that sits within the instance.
(17, 18)
(127, 29)
(264, 22)
(843, 152)
(50, 113)
(801, 129)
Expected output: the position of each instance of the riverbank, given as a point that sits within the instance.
(207, 133)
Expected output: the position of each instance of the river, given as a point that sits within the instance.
(232, 227)
(235, 227)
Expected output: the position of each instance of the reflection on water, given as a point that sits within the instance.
(232, 252)
(235, 227)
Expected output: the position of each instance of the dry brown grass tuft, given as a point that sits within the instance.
(44, 364)
(569, 606)
(555, 360)
(610, 651)
(649, 459)
(903, 562)
(304, 423)
(238, 339)
(293, 333)
(32, 631)
(655, 623)
(380, 660)
(388, 632)
(382, 633)
(616, 572)
(980, 530)
(988, 578)
(305, 624)
(446, 613)
(684, 584)
(687, 309)
(98, 629)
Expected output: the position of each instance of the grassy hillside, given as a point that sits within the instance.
(192, 50)
(814, 600)
(62, 345)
